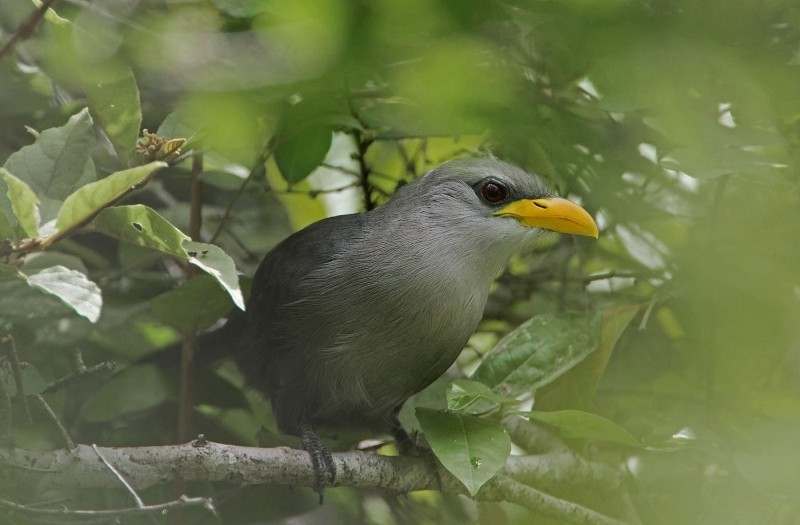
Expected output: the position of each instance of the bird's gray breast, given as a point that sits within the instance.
(391, 328)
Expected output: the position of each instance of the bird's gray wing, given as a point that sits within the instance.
(286, 324)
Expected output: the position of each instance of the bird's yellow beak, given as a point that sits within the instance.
(553, 213)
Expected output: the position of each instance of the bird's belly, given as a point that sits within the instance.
(376, 372)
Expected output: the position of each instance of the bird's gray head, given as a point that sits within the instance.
(490, 198)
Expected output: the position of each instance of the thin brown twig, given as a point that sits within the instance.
(26, 28)
(190, 338)
(314, 193)
(16, 371)
(187, 386)
(68, 443)
(196, 197)
(363, 142)
(81, 372)
(341, 169)
(181, 502)
(5, 412)
(258, 168)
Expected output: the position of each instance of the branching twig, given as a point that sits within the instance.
(257, 169)
(363, 141)
(314, 193)
(181, 502)
(341, 169)
(503, 488)
(81, 371)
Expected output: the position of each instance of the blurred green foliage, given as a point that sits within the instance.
(675, 122)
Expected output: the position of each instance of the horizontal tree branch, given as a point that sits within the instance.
(144, 467)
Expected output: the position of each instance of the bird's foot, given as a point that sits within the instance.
(407, 444)
(415, 445)
(321, 459)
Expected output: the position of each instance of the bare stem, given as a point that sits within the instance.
(257, 169)
(81, 371)
(161, 508)
(5, 412)
(26, 28)
(139, 502)
(16, 371)
(68, 443)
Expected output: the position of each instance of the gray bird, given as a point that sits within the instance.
(354, 314)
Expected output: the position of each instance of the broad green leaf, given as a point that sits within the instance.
(114, 398)
(215, 262)
(72, 287)
(81, 206)
(576, 388)
(57, 163)
(539, 351)
(473, 449)
(578, 424)
(24, 203)
(20, 302)
(302, 150)
(114, 101)
(6, 228)
(52, 292)
(463, 393)
(195, 305)
(142, 226)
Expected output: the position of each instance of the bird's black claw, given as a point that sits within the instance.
(321, 460)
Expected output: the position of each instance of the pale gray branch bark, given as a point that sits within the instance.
(143, 467)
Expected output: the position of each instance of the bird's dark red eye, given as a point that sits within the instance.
(493, 191)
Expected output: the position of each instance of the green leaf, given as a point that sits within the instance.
(73, 288)
(6, 228)
(142, 226)
(113, 399)
(24, 204)
(539, 351)
(473, 449)
(214, 261)
(57, 163)
(578, 424)
(53, 292)
(81, 206)
(195, 305)
(20, 302)
(463, 393)
(302, 150)
(576, 388)
(114, 101)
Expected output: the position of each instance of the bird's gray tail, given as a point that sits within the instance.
(227, 341)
